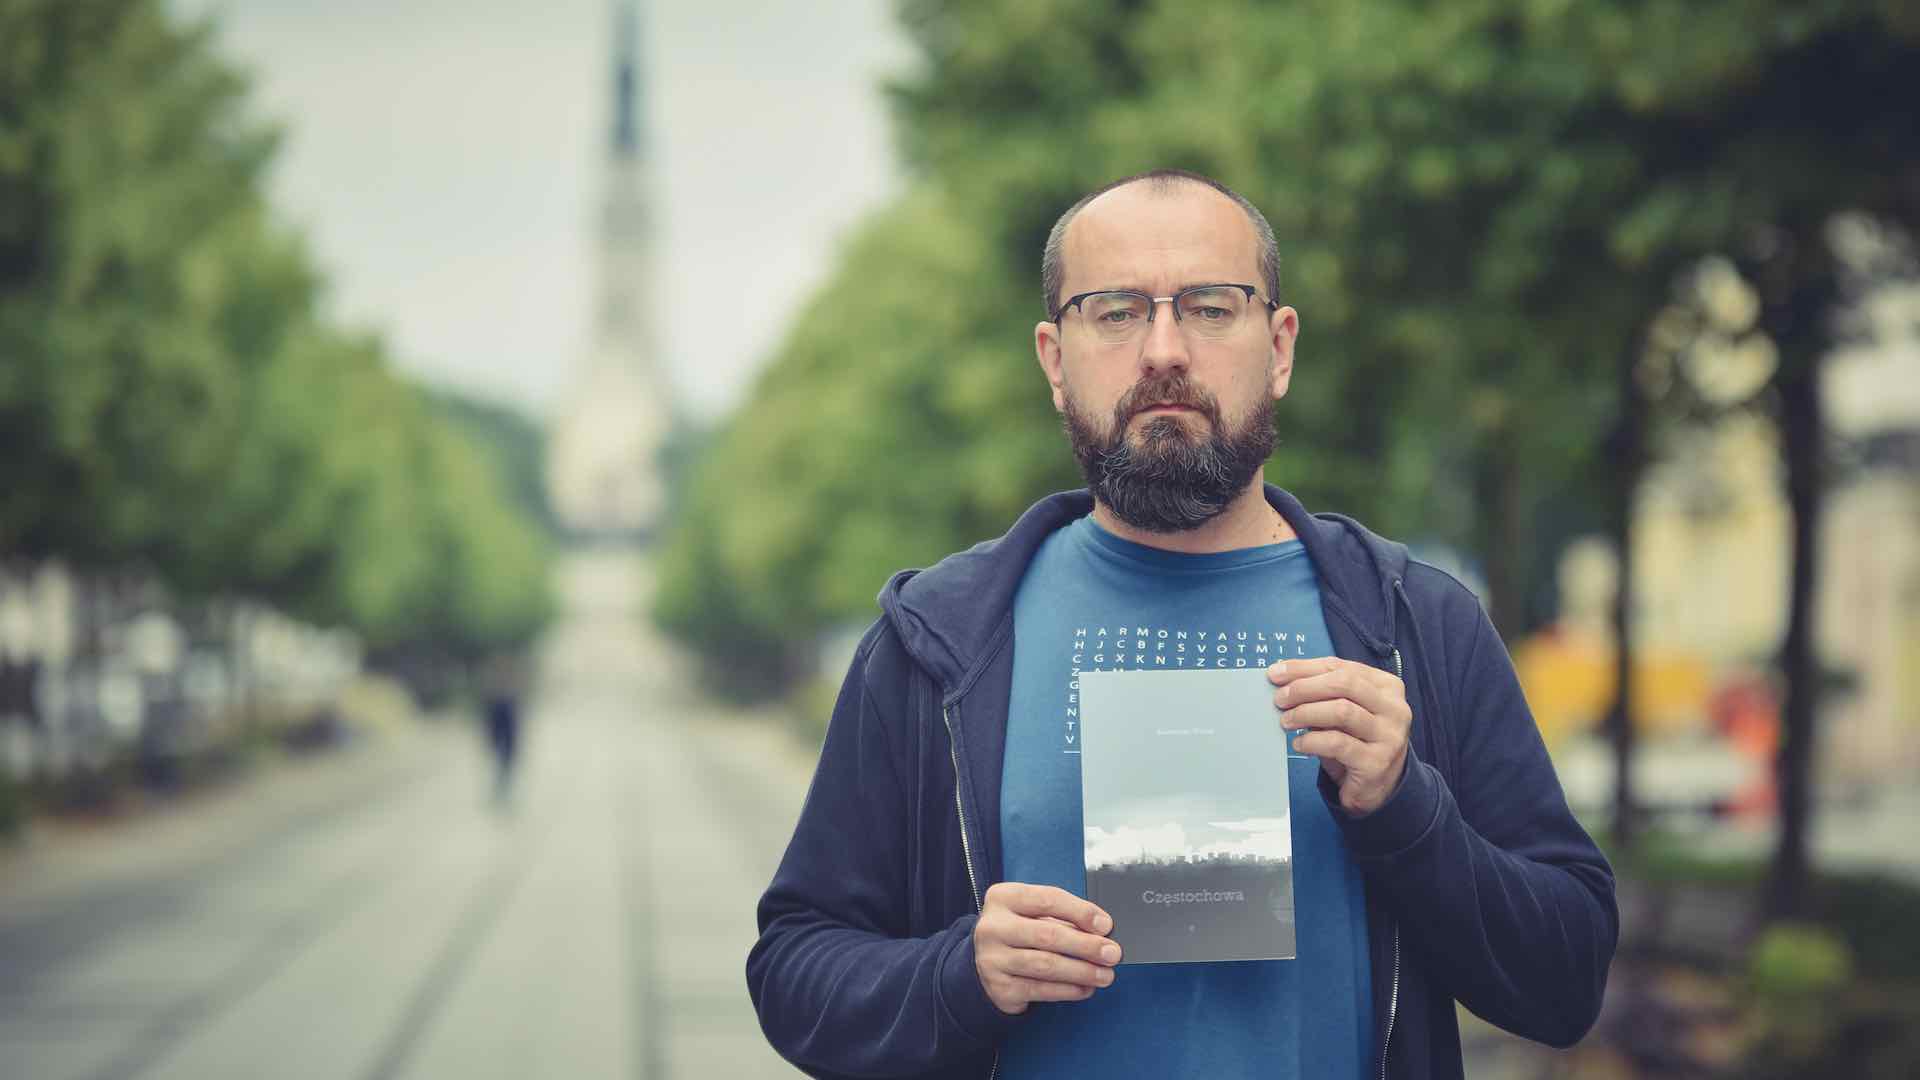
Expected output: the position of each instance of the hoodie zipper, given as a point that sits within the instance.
(1393, 1003)
(959, 808)
(1393, 995)
(966, 846)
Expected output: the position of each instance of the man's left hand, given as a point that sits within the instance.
(1354, 718)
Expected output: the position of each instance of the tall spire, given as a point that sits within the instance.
(626, 80)
(603, 474)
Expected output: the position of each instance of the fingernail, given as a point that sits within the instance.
(1110, 954)
(1104, 976)
(1283, 693)
(1102, 924)
(1286, 719)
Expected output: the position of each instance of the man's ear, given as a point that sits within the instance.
(1284, 328)
(1046, 349)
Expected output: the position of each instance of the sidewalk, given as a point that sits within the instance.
(376, 914)
(59, 860)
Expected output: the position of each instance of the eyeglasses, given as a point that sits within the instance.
(1119, 316)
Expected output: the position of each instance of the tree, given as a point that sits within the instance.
(1765, 133)
(172, 408)
(126, 163)
(857, 450)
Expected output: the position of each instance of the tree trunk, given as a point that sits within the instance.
(1798, 290)
(1628, 459)
(1802, 443)
(1506, 536)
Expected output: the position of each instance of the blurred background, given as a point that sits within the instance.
(449, 450)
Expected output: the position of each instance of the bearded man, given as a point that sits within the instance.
(929, 917)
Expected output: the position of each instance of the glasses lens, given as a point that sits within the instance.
(1212, 312)
(1116, 316)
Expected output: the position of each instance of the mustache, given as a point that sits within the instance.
(1174, 388)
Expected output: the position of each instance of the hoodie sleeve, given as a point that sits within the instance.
(840, 987)
(1500, 894)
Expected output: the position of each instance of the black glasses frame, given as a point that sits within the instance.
(1153, 302)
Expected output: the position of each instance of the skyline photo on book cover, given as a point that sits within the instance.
(1189, 845)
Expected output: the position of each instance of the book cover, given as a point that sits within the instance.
(1189, 844)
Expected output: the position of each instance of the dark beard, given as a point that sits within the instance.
(1172, 480)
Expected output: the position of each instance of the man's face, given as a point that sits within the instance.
(1168, 428)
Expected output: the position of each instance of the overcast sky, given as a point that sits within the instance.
(443, 158)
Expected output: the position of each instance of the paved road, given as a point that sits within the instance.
(374, 918)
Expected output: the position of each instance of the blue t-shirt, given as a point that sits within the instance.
(1091, 601)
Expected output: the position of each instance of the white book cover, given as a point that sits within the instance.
(1189, 841)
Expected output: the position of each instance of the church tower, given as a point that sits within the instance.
(602, 471)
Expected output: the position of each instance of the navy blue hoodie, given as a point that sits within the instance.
(1480, 885)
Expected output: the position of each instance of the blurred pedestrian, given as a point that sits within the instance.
(501, 686)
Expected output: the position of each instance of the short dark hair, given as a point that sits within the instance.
(1053, 259)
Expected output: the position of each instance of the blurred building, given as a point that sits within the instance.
(1712, 562)
(1869, 617)
(603, 476)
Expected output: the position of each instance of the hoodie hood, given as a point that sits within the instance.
(954, 616)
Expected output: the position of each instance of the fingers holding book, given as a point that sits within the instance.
(1041, 943)
(1354, 718)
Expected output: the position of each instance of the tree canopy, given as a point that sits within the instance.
(171, 400)
(1481, 207)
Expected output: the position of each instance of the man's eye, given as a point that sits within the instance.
(1210, 314)
(1116, 317)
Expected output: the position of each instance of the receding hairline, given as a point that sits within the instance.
(1165, 182)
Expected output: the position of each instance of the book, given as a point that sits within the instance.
(1189, 842)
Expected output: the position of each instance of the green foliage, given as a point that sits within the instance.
(1796, 976)
(860, 448)
(125, 165)
(1873, 913)
(1480, 207)
(1662, 858)
(1797, 964)
(170, 401)
(1835, 997)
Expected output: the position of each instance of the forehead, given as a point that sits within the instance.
(1143, 237)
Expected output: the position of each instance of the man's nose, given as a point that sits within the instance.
(1165, 345)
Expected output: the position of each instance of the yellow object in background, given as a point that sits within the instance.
(1568, 680)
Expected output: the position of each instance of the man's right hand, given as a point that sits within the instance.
(1039, 943)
